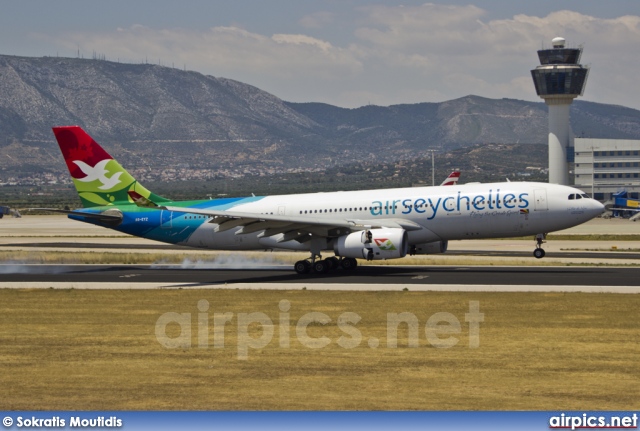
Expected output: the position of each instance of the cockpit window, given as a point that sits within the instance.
(579, 196)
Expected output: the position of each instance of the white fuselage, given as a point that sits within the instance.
(443, 213)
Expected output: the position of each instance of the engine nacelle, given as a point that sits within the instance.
(435, 247)
(373, 244)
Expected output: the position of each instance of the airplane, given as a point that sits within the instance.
(368, 224)
(452, 179)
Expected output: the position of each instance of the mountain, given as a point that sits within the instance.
(154, 111)
(467, 121)
(160, 120)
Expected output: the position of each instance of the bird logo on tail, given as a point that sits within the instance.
(98, 172)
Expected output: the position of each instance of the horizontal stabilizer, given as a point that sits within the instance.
(114, 217)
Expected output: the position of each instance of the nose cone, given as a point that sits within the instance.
(582, 207)
(596, 208)
(590, 208)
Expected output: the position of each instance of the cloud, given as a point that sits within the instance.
(269, 62)
(301, 39)
(395, 54)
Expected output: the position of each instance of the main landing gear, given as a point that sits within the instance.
(539, 252)
(322, 266)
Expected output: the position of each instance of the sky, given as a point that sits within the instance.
(347, 53)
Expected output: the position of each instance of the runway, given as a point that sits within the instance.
(467, 265)
(470, 278)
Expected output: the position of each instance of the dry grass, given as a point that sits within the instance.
(94, 350)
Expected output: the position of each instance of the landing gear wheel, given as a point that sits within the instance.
(349, 263)
(539, 253)
(321, 267)
(333, 262)
(302, 267)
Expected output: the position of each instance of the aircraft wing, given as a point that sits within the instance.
(293, 227)
(274, 224)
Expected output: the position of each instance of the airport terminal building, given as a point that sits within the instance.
(606, 166)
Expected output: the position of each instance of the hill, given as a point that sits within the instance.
(173, 125)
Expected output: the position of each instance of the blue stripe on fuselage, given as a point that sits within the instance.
(163, 225)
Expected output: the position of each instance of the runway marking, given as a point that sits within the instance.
(419, 277)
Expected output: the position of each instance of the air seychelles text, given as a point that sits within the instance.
(431, 206)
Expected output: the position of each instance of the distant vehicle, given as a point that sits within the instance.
(9, 211)
(624, 207)
(368, 224)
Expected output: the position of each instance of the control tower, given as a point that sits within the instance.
(559, 79)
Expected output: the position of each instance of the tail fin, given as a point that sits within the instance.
(452, 179)
(99, 179)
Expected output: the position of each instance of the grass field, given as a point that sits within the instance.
(95, 350)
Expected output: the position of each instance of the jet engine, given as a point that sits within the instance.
(373, 244)
(435, 247)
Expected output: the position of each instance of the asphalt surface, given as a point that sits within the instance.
(55, 232)
(123, 275)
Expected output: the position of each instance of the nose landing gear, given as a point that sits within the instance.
(539, 252)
